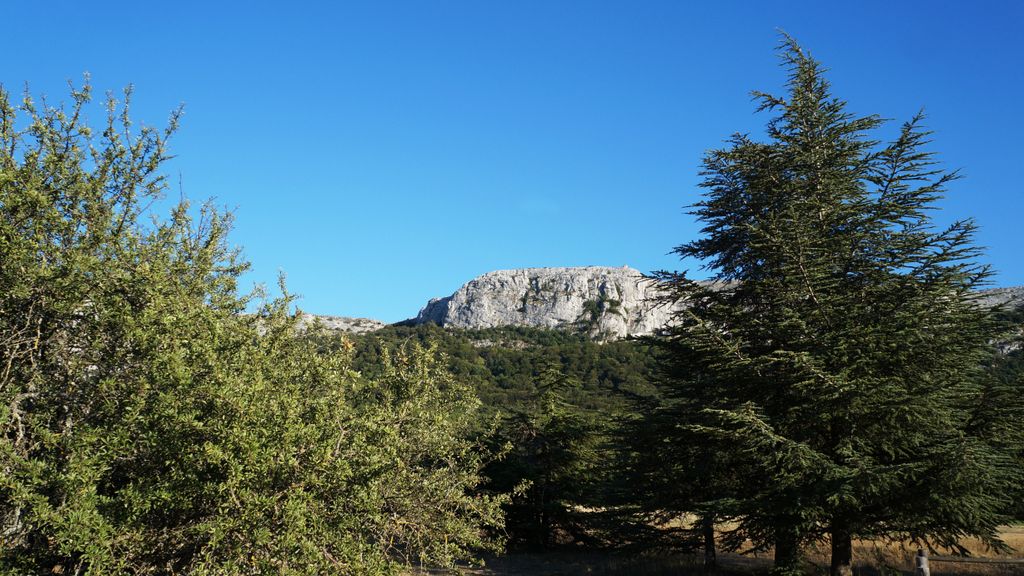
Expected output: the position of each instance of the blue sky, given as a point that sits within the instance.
(383, 153)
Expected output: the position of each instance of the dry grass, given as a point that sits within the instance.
(870, 559)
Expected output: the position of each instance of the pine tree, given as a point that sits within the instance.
(553, 460)
(680, 479)
(841, 334)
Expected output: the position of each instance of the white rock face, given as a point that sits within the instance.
(1010, 298)
(343, 323)
(605, 302)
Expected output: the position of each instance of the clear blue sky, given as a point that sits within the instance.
(382, 153)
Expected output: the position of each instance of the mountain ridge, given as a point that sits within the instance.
(605, 302)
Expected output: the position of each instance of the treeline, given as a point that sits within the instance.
(505, 364)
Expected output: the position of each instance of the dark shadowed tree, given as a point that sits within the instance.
(681, 479)
(552, 458)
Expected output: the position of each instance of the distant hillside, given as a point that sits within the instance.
(503, 363)
(601, 302)
(343, 323)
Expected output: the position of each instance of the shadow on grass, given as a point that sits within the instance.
(609, 564)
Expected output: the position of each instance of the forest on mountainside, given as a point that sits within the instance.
(504, 363)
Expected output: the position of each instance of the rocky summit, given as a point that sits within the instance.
(604, 302)
(1008, 298)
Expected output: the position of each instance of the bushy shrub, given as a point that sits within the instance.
(149, 426)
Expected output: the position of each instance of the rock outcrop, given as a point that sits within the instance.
(1008, 298)
(343, 323)
(604, 302)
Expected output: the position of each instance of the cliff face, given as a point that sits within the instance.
(342, 323)
(1008, 298)
(605, 302)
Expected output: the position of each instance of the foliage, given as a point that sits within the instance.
(148, 426)
(1001, 416)
(552, 464)
(677, 477)
(841, 348)
(504, 364)
(558, 397)
(593, 310)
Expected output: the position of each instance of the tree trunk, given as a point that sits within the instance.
(545, 518)
(707, 526)
(787, 555)
(842, 550)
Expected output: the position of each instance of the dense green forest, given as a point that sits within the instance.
(505, 364)
(557, 399)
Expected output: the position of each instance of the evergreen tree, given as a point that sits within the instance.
(841, 336)
(552, 464)
(1000, 418)
(679, 478)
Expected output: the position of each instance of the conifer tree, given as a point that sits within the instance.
(840, 339)
(679, 478)
(552, 459)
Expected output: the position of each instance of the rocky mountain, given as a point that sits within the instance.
(342, 323)
(605, 302)
(1012, 297)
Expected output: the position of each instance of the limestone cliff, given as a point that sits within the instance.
(1008, 298)
(605, 302)
(342, 323)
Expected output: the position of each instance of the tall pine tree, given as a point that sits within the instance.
(841, 336)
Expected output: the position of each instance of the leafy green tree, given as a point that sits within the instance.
(149, 426)
(841, 334)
